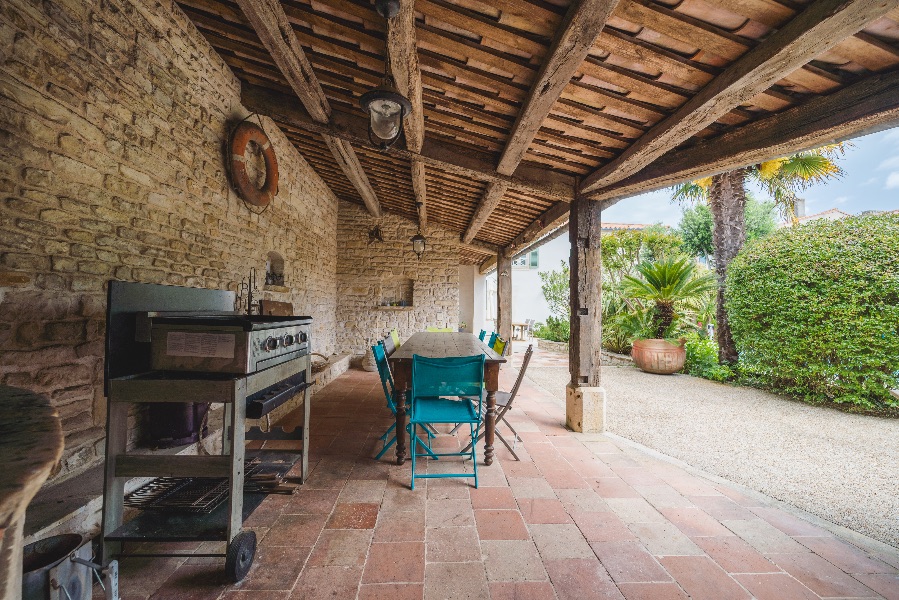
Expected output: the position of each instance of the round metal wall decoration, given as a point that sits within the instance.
(241, 137)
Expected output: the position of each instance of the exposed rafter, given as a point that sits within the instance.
(403, 54)
(816, 29)
(865, 107)
(434, 153)
(268, 19)
(577, 34)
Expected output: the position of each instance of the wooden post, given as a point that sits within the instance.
(585, 400)
(504, 296)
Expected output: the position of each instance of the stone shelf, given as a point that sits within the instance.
(394, 307)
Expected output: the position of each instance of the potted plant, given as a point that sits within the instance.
(664, 289)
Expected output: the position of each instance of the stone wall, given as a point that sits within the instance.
(369, 274)
(112, 121)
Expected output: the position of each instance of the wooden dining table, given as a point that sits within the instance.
(443, 345)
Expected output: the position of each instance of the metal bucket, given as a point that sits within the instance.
(49, 573)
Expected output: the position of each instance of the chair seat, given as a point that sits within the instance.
(440, 410)
(502, 399)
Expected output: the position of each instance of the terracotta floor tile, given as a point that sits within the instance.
(354, 515)
(887, 585)
(448, 489)
(634, 476)
(530, 487)
(254, 595)
(664, 539)
(765, 537)
(455, 580)
(341, 548)
(581, 579)
(449, 513)
(543, 510)
(775, 586)
(560, 478)
(363, 490)
(602, 527)
(734, 555)
(371, 469)
(702, 578)
(557, 542)
(452, 544)
(789, 524)
(663, 496)
(294, 530)
(629, 562)
(492, 497)
(695, 522)
(391, 591)
(406, 526)
(722, 508)
(312, 502)
(401, 498)
(275, 568)
(512, 560)
(820, 576)
(193, 582)
(582, 501)
(689, 485)
(635, 510)
(521, 590)
(140, 577)
(652, 591)
(500, 524)
(614, 487)
(396, 562)
(844, 555)
(327, 583)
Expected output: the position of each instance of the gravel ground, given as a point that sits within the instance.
(841, 467)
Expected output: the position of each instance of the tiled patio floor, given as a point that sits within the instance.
(579, 517)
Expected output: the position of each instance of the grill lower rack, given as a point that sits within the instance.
(198, 495)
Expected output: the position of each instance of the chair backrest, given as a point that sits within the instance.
(483, 335)
(493, 337)
(384, 372)
(395, 335)
(524, 367)
(452, 376)
(499, 346)
(440, 329)
(389, 346)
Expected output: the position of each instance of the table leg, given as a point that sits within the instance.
(400, 427)
(489, 427)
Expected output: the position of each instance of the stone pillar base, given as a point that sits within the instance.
(585, 409)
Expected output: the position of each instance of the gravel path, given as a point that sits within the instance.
(841, 467)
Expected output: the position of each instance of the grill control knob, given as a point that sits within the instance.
(271, 343)
(287, 340)
(302, 336)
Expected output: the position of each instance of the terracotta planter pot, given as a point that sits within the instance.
(658, 356)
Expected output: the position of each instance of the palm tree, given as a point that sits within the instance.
(667, 284)
(783, 178)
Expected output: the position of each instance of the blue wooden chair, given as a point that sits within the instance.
(387, 384)
(483, 335)
(440, 387)
(493, 337)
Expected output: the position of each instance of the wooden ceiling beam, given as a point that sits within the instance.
(440, 155)
(816, 29)
(403, 60)
(577, 34)
(865, 107)
(268, 19)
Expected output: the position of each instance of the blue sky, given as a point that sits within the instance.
(871, 182)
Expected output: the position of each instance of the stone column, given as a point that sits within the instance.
(504, 296)
(585, 399)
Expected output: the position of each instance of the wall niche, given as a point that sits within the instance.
(396, 294)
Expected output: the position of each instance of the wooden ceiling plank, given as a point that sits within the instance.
(865, 107)
(268, 19)
(578, 32)
(817, 28)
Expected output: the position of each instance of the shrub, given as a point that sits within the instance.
(555, 330)
(814, 310)
(702, 359)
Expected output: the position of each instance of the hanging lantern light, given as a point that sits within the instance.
(386, 109)
(418, 244)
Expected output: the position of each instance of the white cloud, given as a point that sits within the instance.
(893, 180)
(889, 164)
(841, 200)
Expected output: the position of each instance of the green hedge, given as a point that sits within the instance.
(814, 310)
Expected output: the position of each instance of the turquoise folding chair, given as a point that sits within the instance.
(483, 335)
(387, 384)
(493, 337)
(440, 387)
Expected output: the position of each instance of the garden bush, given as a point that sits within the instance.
(814, 310)
(702, 359)
(555, 330)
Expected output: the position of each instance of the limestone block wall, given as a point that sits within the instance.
(113, 116)
(369, 274)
